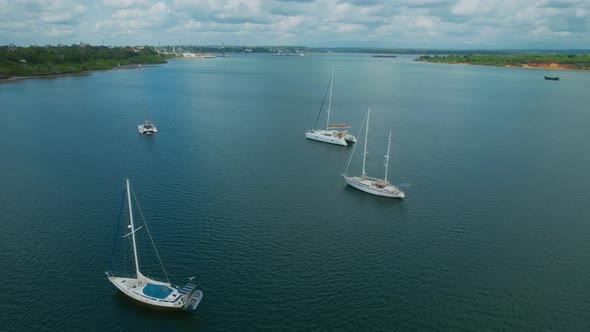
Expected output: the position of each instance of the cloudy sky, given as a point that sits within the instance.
(556, 24)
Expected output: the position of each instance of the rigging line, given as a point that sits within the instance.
(117, 232)
(151, 239)
(321, 106)
(354, 147)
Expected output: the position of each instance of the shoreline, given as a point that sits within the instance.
(551, 66)
(544, 66)
(13, 79)
(192, 57)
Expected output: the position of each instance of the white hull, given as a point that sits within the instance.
(134, 289)
(143, 130)
(368, 186)
(326, 136)
(174, 300)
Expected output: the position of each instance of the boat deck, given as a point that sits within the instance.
(157, 291)
(369, 185)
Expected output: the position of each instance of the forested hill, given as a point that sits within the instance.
(562, 61)
(55, 60)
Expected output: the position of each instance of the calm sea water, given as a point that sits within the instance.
(494, 233)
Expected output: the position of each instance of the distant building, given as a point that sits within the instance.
(129, 49)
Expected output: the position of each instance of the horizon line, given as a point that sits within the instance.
(315, 47)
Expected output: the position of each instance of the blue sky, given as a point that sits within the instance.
(461, 24)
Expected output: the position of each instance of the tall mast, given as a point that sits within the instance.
(366, 135)
(387, 156)
(132, 230)
(330, 100)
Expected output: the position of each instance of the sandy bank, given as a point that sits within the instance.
(552, 65)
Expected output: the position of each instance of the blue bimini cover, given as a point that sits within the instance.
(157, 291)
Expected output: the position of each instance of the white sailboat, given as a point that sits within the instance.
(147, 127)
(330, 135)
(371, 185)
(156, 294)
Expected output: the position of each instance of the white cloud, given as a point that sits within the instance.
(424, 22)
(542, 32)
(467, 7)
(398, 23)
(119, 3)
(141, 18)
(64, 16)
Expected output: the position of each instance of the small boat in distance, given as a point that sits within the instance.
(556, 78)
(152, 293)
(147, 128)
(372, 185)
(330, 135)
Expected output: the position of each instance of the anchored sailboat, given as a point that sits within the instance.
(372, 185)
(147, 127)
(159, 295)
(330, 135)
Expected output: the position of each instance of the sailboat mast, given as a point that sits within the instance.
(387, 156)
(366, 135)
(330, 100)
(132, 229)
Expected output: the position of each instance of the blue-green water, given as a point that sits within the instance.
(494, 233)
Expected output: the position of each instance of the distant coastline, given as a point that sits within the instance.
(75, 60)
(78, 60)
(76, 74)
(553, 62)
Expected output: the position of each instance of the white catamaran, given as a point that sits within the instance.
(147, 127)
(330, 135)
(373, 185)
(158, 295)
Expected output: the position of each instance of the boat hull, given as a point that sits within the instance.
(368, 186)
(143, 130)
(153, 307)
(326, 136)
(135, 290)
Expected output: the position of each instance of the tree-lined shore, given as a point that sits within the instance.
(60, 60)
(555, 61)
(33, 61)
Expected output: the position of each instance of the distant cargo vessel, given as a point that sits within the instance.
(552, 78)
(384, 56)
